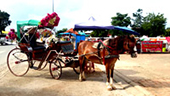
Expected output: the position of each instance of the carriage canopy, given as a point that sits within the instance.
(26, 23)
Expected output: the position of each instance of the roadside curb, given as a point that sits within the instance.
(127, 80)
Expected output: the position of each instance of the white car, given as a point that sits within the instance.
(3, 40)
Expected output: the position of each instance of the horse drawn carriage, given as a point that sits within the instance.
(21, 58)
(28, 51)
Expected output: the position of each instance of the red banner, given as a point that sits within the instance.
(151, 46)
(168, 39)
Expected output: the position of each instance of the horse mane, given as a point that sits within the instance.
(118, 41)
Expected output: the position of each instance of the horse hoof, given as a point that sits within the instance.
(114, 88)
(84, 79)
(109, 88)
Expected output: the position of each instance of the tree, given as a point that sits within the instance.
(61, 31)
(137, 21)
(154, 25)
(4, 20)
(167, 32)
(120, 20)
(99, 33)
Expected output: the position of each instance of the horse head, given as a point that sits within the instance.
(129, 45)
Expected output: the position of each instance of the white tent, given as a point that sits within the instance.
(93, 24)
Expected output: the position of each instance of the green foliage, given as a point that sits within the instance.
(61, 31)
(151, 25)
(137, 21)
(99, 33)
(167, 32)
(120, 20)
(4, 20)
(154, 25)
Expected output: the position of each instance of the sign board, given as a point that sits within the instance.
(151, 46)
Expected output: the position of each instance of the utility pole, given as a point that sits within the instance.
(52, 5)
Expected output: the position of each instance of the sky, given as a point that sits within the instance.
(72, 12)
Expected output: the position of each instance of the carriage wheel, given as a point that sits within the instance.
(55, 68)
(77, 70)
(18, 62)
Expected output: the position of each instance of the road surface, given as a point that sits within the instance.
(150, 70)
(40, 83)
(4, 49)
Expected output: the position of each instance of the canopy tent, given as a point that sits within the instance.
(92, 24)
(71, 31)
(82, 33)
(26, 23)
(75, 32)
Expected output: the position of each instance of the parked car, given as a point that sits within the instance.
(3, 40)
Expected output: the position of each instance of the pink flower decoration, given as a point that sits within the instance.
(53, 14)
(56, 21)
(48, 20)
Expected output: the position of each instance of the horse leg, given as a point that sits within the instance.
(81, 62)
(109, 87)
(111, 82)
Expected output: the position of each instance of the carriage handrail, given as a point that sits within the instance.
(26, 33)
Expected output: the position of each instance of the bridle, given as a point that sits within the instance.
(131, 51)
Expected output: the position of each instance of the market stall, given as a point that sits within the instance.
(154, 44)
(74, 38)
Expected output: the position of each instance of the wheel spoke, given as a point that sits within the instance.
(55, 69)
(17, 62)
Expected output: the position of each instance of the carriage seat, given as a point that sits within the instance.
(64, 42)
(67, 47)
(39, 48)
(36, 45)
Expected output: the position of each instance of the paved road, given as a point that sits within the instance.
(40, 83)
(151, 71)
(4, 50)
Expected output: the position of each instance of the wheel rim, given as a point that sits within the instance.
(17, 62)
(55, 69)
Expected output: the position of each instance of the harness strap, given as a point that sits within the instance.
(87, 54)
(106, 45)
(104, 57)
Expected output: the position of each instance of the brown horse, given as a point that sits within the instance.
(106, 54)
